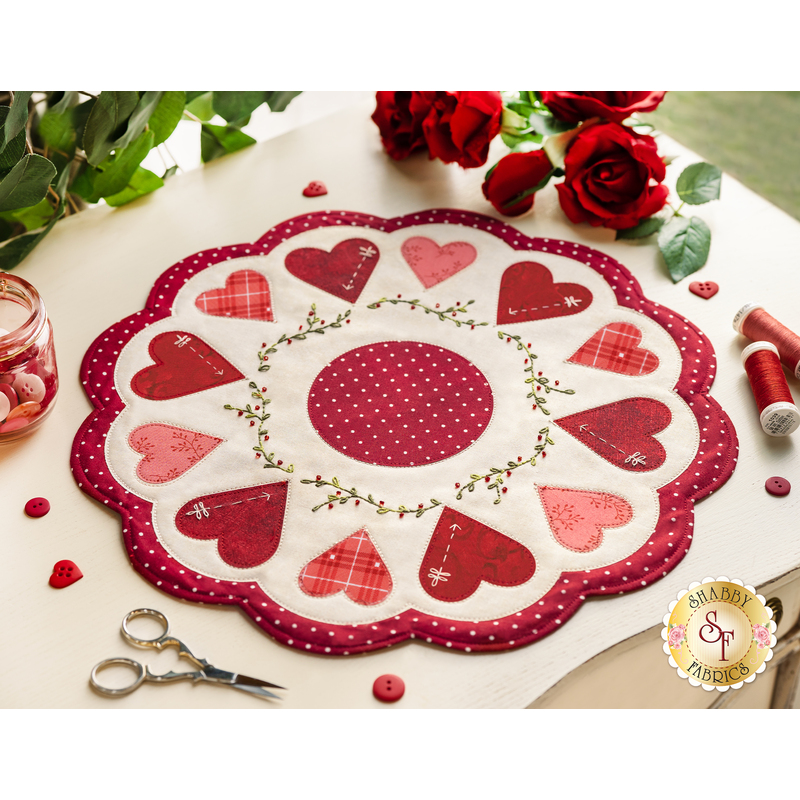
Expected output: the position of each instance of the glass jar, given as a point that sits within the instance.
(28, 374)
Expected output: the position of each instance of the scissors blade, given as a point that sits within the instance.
(258, 691)
(256, 682)
(243, 682)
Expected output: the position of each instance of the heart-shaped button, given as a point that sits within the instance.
(315, 189)
(244, 296)
(65, 573)
(431, 263)
(352, 566)
(168, 451)
(621, 432)
(343, 272)
(246, 522)
(704, 289)
(185, 364)
(528, 292)
(463, 552)
(577, 518)
(615, 348)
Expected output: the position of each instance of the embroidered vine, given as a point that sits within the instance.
(343, 495)
(494, 478)
(448, 315)
(311, 320)
(538, 382)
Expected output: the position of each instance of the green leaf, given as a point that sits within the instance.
(32, 217)
(12, 253)
(191, 96)
(138, 119)
(699, 183)
(217, 140)
(277, 101)
(113, 174)
(63, 101)
(104, 124)
(547, 125)
(27, 182)
(141, 183)
(647, 227)
(170, 172)
(235, 106)
(684, 243)
(166, 116)
(201, 107)
(17, 116)
(58, 132)
(14, 149)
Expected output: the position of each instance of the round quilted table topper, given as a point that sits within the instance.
(364, 431)
(400, 404)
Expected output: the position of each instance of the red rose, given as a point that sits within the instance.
(399, 116)
(616, 106)
(608, 173)
(511, 176)
(460, 125)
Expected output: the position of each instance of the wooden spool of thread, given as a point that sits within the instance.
(778, 414)
(753, 322)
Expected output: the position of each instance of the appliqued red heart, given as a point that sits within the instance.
(527, 292)
(168, 451)
(352, 566)
(463, 552)
(704, 289)
(65, 573)
(185, 364)
(246, 522)
(615, 348)
(577, 517)
(343, 272)
(315, 189)
(245, 296)
(621, 432)
(433, 264)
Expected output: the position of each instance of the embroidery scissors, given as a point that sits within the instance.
(204, 671)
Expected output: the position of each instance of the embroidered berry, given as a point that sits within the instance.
(330, 505)
(399, 296)
(358, 502)
(413, 307)
(258, 455)
(540, 374)
(508, 339)
(538, 388)
(263, 388)
(401, 516)
(266, 358)
(300, 328)
(519, 458)
(543, 453)
(266, 437)
(280, 462)
(319, 477)
(458, 303)
(505, 489)
(322, 322)
(454, 313)
(381, 502)
(529, 344)
(526, 360)
(263, 344)
(458, 486)
(486, 479)
(347, 321)
(252, 422)
(508, 473)
(556, 383)
(420, 505)
(240, 413)
(377, 305)
(437, 305)
(258, 408)
(540, 437)
(338, 494)
(472, 327)
(288, 341)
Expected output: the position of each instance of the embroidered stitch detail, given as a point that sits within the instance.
(497, 472)
(343, 495)
(448, 315)
(352, 566)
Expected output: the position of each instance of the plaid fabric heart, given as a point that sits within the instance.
(615, 348)
(352, 566)
(245, 296)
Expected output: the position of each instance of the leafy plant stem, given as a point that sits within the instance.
(343, 495)
(448, 315)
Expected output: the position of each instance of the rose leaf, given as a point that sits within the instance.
(647, 227)
(26, 184)
(699, 183)
(684, 243)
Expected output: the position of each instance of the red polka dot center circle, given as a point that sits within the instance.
(400, 404)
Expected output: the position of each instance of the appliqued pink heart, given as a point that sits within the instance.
(168, 451)
(352, 566)
(527, 292)
(621, 432)
(577, 518)
(246, 522)
(463, 552)
(433, 264)
(343, 272)
(245, 296)
(185, 364)
(615, 348)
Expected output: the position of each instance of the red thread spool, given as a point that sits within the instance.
(753, 322)
(778, 414)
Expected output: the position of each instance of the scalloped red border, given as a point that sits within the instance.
(671, 538)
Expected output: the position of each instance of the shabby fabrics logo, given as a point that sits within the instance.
(719, 634)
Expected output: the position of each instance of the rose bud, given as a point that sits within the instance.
(511, 184)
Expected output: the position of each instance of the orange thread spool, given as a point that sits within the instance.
(778, 414)
(757, 324)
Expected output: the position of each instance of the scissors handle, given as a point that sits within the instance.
(113, 662)
(159, 642)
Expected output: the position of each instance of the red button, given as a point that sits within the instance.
(778, 486)
(389, 688)
(37, 507)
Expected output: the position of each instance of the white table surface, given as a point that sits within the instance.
(97, 267)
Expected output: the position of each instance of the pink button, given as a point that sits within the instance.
(14, 424)
(29, 388)
(778, 486)
(37, 507)
(5, 406)
(389, 688)
(9, 393)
